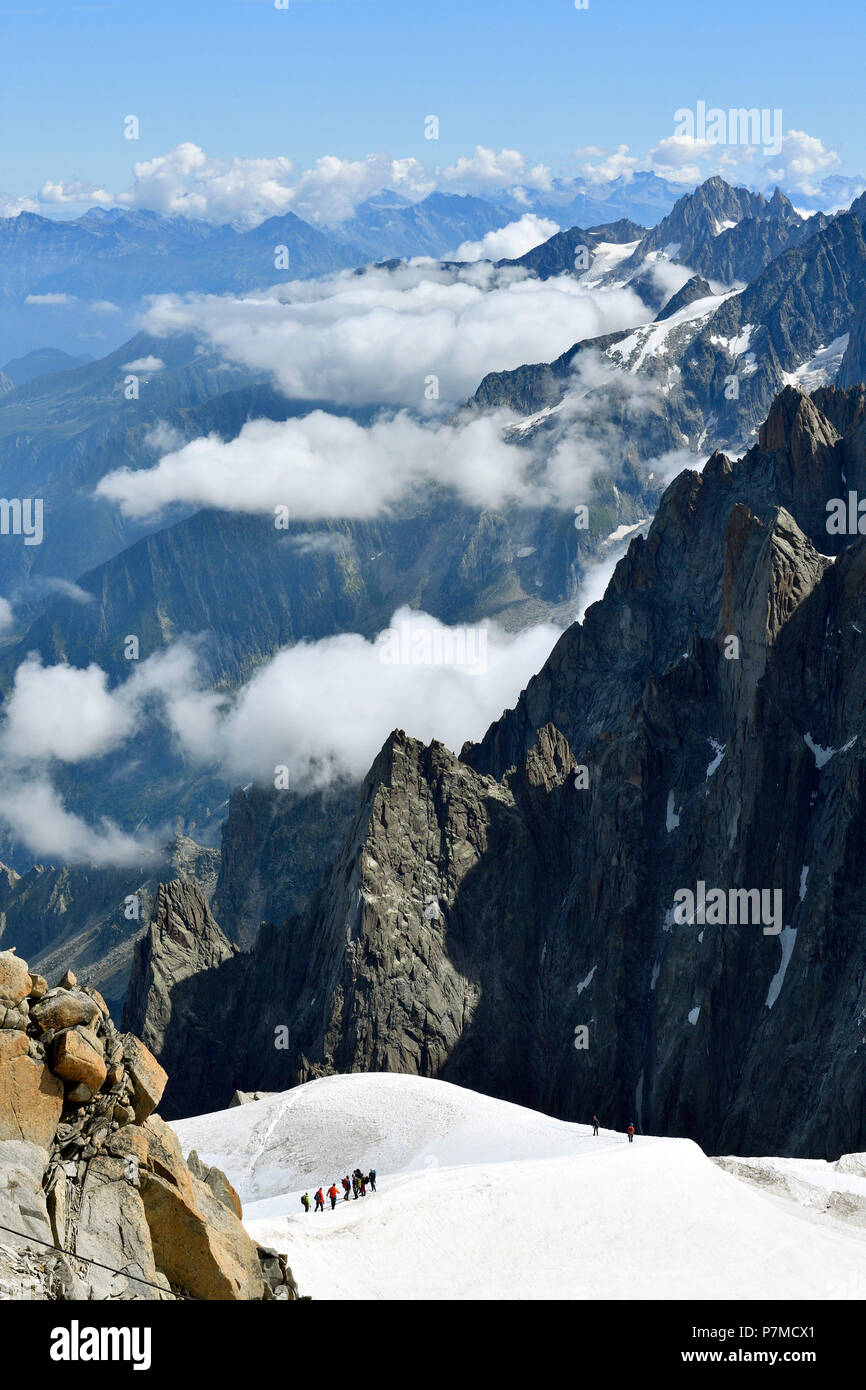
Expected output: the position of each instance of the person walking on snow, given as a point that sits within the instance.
(362, 1183)
(594, 1125)
(630, 1133)
(332, 1193)
(355, 1186)
(345, 1187)
(305, 1202)
(373, 1179)
(320, 1201)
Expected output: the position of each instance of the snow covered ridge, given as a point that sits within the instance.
(478, 1198)
(658, 340)
(821, 369)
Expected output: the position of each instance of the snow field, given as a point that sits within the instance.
(480, 1199)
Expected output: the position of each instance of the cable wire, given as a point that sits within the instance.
(84, 1258)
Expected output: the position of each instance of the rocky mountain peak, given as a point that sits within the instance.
(182, 940)
(795, 424)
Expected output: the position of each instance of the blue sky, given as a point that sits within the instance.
(240, 78)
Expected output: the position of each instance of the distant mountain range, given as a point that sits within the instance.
(78, 284)
(767, 299)
(82, 281)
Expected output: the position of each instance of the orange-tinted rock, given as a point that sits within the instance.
(77, 1056)
(147, 1076)
(14, 978)
(31, 1098)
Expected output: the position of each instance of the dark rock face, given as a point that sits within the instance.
(696, 288)
(804, 300)
(275, 846)
(620, 232)
(570, 252)
(853, 366)
(728, 234)
(739, 253)
(182, 939)
(484, 908)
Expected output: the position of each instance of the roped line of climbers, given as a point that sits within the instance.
(359, 1182)
(357, 1185)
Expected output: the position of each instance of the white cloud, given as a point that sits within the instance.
(145, 364)
(12, 203)
(507, 243)
(322, 466)
(75, 191)
(333, 188)
(322, 543)
(486, 171)
(188, 182)
(667, 277)
(61, 712)
(677, 158)
(804, 162)
(800, 165)
(322, 709)
(163, 438)
(7, 617)
(614, 164)
(33, 811)
(596, 579)
(66, 587)
(379, 337)
(49, 299)
(325, 708)
(328, 466)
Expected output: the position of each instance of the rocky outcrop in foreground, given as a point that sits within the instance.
(87, 1166)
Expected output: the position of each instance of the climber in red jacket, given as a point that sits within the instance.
(320, 1201)
(332, 1193)
(630, 1133)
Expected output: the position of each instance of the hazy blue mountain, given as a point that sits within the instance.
(81, 281)
(40, 362)
(434, 227)
(60, 433)
(644, 198)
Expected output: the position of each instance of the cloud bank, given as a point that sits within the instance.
(800, 165)
(379, 338)
(319, 709)
(188, 181)
(509, 242)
